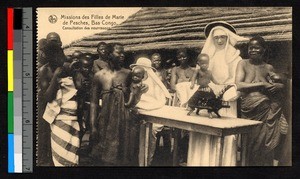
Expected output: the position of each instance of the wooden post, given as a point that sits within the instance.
(175, 148)
(244, 157)
(142, 145)
(145, 132)
(147, 140)
(220, 147)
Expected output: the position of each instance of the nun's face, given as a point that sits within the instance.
(219, 38)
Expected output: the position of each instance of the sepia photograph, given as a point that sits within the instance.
(164, 86)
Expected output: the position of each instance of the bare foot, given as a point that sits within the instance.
(210, 115)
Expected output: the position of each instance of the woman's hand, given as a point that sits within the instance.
(255, 81)
(144, 88)
(266, 85)
(57, 72)
(192, 86)
(274, 88)
(172, 90)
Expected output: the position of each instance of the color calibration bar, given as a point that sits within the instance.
(14, 64)
(10, 102)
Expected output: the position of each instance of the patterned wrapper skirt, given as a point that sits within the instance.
(65, 142)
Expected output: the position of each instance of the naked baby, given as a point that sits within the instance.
(204, 97)
(137, 88)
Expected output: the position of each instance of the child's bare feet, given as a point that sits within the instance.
(210, 115)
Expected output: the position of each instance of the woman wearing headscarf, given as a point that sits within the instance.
(154, 98)
(224, 57)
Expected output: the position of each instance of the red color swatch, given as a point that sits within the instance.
(10, 28)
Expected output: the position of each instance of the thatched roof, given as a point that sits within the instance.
(171, 28)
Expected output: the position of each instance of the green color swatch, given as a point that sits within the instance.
(10, 108)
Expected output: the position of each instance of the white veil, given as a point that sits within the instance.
(223, 64)
(157, 93)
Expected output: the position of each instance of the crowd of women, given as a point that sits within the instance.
(78, 94)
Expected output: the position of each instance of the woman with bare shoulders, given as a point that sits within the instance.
(260, 101)
(112, 129)
(181, 78)
(51, 58)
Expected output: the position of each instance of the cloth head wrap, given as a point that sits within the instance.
(223, 58)
(156, 96)
(209, 47)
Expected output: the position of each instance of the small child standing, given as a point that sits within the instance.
(204, 75)
(204, 78)
(82, 76)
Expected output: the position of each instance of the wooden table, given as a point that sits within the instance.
(177, 117)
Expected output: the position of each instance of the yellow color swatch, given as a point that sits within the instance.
(10, 70)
